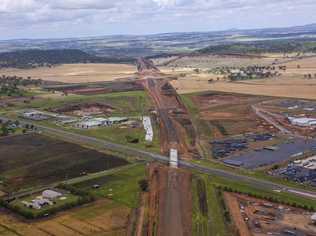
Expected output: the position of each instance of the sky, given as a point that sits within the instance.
(76, 18)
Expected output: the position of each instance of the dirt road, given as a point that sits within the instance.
(170, 201)
(176, 129)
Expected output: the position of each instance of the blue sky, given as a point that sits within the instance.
(75, 18)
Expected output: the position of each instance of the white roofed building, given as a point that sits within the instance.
(303, 122)
(50, 194)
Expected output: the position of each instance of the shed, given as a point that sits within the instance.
(50, 194)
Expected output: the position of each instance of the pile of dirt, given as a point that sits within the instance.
(82, 109)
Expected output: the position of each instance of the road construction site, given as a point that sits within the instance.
(254, 217)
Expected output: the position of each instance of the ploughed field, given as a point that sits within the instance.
(34, 160)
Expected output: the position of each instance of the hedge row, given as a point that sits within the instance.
(84, 197)
(268, 198)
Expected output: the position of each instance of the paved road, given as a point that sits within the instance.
(271, 121)
(257, 183)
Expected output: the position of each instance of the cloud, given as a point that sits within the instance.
(20, 15)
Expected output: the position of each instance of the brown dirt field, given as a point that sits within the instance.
(239, 222)
(232, 111)
(76, 73)
(2, 193)
(170, 201)
(99, 218)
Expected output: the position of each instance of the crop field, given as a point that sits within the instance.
(76, 73)
(32, 160)
(295, 76)
(213, 61)
(103, 217)
(281, 87)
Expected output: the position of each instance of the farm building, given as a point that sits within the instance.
(50, 194)
(303, 122)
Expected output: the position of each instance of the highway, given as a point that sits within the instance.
(257, 183)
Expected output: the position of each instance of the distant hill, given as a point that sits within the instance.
(135, 46)
(37, 58)
(267, 46)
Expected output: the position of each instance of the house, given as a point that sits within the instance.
(50, 194)
(37, 203)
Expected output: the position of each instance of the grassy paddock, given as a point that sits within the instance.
(209, 211)
(121, 187)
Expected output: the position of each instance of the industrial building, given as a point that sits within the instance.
(148, 128)
(89, 123)
(35, 115)
(303, 121)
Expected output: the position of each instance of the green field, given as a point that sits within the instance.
(121, 186)
(133, 103)
(209, 216)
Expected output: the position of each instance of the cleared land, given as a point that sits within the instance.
(33, 160)
(76, 73)
(170, 201)
(218, 115)
(176, 130)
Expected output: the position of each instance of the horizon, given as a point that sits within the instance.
(34, 19)
(161, 33)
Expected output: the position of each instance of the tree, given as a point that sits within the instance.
(143, 184)
(4, 130)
